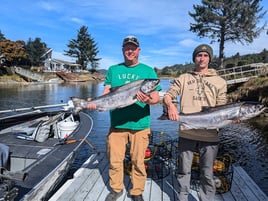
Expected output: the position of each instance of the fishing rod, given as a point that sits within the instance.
(66, 106)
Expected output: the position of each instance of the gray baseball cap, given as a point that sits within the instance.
(131, 39)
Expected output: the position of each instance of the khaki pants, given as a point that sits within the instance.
(116, 149)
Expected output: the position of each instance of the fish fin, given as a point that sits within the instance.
(184, 127)
(163, 117)
(101, 109)
(122, 87)
(205, 108)
(112, 89)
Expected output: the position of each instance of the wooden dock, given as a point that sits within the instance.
(90, 183)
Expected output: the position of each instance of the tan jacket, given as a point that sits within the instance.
(197, 91)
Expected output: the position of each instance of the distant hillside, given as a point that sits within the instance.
(102, 71)
(236, 60)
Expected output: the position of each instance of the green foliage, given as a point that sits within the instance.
(84, 49)
(264, 55)
(239, 60)
(227, 20)
(175, 70)
(230, 65)
(35, 50)
(242, 62)
(233, 61)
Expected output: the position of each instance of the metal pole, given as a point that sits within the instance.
(36, 107)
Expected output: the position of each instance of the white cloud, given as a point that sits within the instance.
(47, 6)
(77, 20)
(161, 26)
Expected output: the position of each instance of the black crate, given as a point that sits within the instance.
(159, 158)
(222, 169)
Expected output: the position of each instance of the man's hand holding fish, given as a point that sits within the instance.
(152, 98)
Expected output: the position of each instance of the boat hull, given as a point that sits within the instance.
(46, 164)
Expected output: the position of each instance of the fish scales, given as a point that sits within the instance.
(218, 117)
(212, 118)
(119, 97)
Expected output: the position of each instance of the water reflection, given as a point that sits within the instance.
(247, 142)
(248, 146)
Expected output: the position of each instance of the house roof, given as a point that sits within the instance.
(48, 51)
(65, 62)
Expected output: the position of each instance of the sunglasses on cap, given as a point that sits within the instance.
(131, 39)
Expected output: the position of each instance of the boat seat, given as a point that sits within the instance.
(23, 156)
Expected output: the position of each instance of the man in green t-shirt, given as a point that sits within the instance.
(130, 124)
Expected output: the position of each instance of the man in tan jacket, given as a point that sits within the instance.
(199, 88)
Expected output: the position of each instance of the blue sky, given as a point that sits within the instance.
(161, 26)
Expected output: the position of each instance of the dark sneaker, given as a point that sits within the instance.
(137, 198)
(112, 196)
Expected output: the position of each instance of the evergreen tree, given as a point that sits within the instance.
(227, 20)
(84, 49)
(35, 50)
(2, 37)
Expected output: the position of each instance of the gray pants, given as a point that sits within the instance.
(208, 152)
(4, 155)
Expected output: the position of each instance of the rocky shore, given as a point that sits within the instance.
(16, 79)
(256, 89)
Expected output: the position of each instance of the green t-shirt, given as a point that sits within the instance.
(137, 115)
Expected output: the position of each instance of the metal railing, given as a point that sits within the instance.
(243, 73)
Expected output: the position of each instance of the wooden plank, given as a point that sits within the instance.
(88, 187)
(70, 188)
(218, 197)
(175, 185)
(97, 189)
(91, 182)
(106, 188)
(242, 185)
(248, 186)
(147, 189)
(227, 196)
(170, 187)
(127, 183)
(236, 192)
(156, 190)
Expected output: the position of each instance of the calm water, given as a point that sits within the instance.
(247, 142)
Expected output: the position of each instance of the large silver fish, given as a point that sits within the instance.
(218, 117)
(119, 97)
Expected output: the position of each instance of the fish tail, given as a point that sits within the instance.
(164, 115)
(79, 104)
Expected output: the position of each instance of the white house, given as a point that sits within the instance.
(52, 64)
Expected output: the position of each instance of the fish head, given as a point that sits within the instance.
(251, 110)
(149, 85)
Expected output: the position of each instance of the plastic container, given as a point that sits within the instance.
(66, 128)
